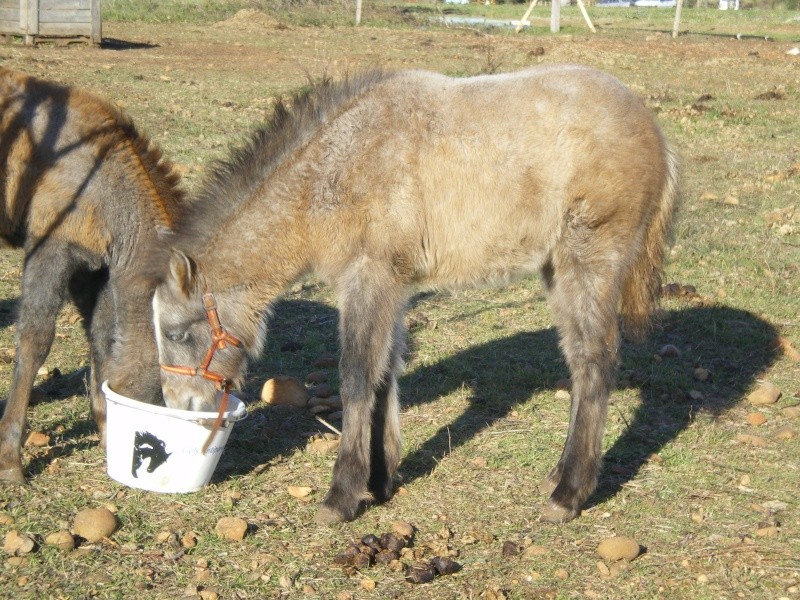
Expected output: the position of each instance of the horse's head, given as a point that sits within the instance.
(198, 345)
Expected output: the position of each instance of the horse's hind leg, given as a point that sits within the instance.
(371, 303)
(583, 284)
(91, 294)
(44, 283)
(386, 437)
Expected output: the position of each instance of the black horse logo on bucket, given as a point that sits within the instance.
(148, 446)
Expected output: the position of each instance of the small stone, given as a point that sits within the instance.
(231, 528)
(43, 371)
(769, 531)
(163, 536)
(94, 524)
(403, 528)
(6, 519)
(299, 492)
(37, 439)
(207, 594)
(564, 384)
(326, 362)
(701, 374)
(323, 390)
(562, 395)
(766, 393)
(420, 572)
(562, 574)
(755, 419)
(368, 584)
(284, 391)
(785, 433)
(774, 506)
(791, 412)
(334, 402)
(696, 395)
(787, 348)
(189, 540)
(61, 539)
(317, 377)
(535, 550)
(752, 440)
(669, 351)
(17, 543)
(618, 548)
(323, 446)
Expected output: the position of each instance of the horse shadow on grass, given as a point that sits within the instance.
(733, 344)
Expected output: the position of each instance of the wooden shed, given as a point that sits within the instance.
(51, 19)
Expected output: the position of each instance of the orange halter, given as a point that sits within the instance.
(219, 339)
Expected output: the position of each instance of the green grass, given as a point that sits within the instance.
(174, 11)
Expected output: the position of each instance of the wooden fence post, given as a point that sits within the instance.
(555, 16)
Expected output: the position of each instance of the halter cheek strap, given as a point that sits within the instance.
(220, 339)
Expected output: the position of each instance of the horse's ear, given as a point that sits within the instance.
(181, 273)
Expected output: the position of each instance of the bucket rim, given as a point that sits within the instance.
(236, 413)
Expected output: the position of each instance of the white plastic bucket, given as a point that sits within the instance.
(158, 448)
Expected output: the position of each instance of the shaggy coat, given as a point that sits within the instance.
(83, 194)
(390, 181)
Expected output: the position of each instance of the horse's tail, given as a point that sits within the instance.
(642, 286)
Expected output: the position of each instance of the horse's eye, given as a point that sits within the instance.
(178, 336)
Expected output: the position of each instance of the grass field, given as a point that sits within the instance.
(712, 497)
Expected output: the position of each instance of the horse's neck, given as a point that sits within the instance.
(262, 248)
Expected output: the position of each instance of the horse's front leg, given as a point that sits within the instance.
(44, 283)
(371, 303)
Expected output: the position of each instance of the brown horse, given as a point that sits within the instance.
(389, 181)
(83, 194)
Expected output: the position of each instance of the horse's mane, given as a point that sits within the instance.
(170, 196)
(109, 129)
(232, 180)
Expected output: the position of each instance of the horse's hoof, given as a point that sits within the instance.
(12, 475)
(555, 513)
(328, 516)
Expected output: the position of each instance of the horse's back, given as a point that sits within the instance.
(70, 162)
(472, 179)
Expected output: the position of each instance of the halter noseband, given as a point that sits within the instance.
(219, 339)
